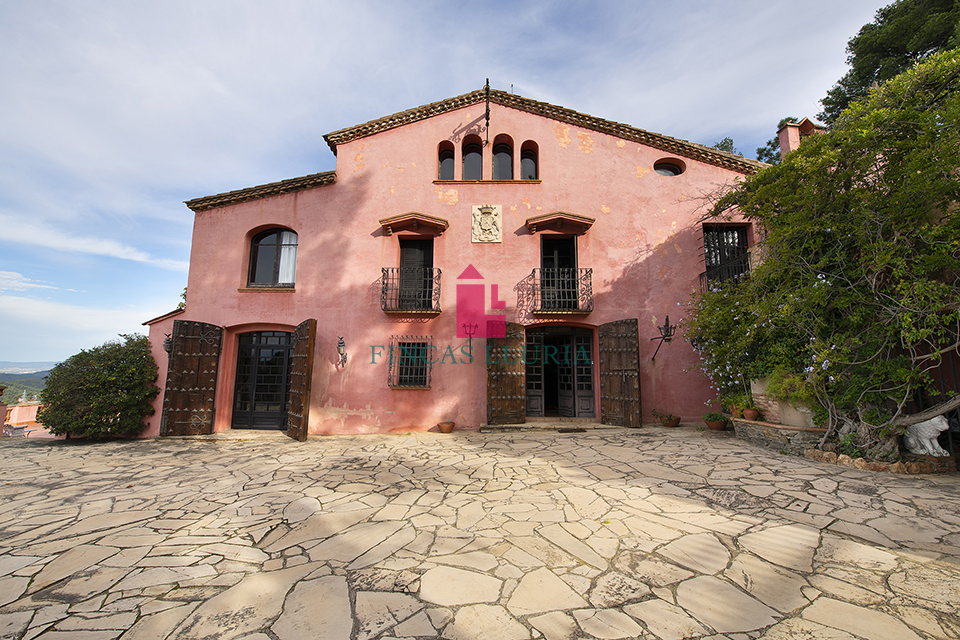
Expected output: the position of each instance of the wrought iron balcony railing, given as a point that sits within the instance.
(410, 290)
(736, 269)
(562, 290)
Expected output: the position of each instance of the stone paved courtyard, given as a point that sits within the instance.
(613, 533)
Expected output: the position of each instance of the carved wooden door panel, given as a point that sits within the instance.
(506, 393)
(620, 373)
(534, 373)
(301, 374)
(188, 396)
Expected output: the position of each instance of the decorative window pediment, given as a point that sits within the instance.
(561, 221)
(414, 221)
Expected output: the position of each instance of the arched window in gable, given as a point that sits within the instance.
(472, 158)
(503, 158)
(445, 161)
(273, 259)
(529, 165)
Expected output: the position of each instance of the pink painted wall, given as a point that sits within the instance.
(644, 249)
(25, 415)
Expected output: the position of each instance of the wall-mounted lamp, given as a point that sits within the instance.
(342, 351)
(666, 335)
(168, 343)
(470, 330)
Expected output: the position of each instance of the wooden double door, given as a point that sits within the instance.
(273, 379)
(529, 375)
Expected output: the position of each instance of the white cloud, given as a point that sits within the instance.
(43, 235)
(13, 281)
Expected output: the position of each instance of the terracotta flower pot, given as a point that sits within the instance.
(751, 414)
(670, 422)
(716, 425)
(446, 427)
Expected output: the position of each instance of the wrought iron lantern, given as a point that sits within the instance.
(342, 351)
(667, 332)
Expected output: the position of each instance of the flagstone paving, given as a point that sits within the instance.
(612, 533)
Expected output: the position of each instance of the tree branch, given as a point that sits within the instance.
(932, 412)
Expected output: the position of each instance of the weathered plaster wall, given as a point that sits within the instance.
(644, 250)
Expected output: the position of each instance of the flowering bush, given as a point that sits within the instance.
(858, 293)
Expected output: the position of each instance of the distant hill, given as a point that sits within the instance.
(22, 368)
(17, 383)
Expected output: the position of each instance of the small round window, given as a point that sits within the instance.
(669, 167)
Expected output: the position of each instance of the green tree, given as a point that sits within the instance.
(901, 35)
(101, 393)
(726, 145)
(770, 152)
(860, 270)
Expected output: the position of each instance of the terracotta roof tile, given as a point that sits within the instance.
(664, 143)
(263, 191)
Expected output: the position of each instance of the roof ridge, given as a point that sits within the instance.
(684, 148)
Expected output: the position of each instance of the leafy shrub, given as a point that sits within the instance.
(101, 393)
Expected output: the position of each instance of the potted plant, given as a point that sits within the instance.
(751, 413)
(715, 421)
(666, 419)
(445, 427)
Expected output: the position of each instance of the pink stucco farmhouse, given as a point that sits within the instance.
(484, 259)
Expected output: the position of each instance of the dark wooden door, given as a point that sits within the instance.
(301, 375)
(620, 373)
(190, 390)
(506, 395)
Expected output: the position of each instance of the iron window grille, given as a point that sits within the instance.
(563, 290)
(410, 290)
(411, 362)
(724, 254)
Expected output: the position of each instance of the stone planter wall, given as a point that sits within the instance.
(788, 439)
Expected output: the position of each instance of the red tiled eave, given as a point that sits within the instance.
(263, 191)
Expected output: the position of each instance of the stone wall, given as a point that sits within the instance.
(782, 438)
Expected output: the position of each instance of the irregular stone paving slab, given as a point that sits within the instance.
(487, 622)
(318, 609)
(319, 527)
(9, 564)
(555, 625)
(71, 562)
(702, 553)
(723, 606)
(159, 625)
(11, 588)
(665, 620)
(772, 585)
(376, 611)
(800, 629)
(542, 591)
(791, 546)
(859, 621)
(607, 624)
(448, 586)
(244, 608)
(14, 624)
(614, 589)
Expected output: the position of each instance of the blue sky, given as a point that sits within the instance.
(114, 113)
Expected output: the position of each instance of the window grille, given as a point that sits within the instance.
(411, 361)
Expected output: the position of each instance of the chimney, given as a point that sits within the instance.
(793, 133)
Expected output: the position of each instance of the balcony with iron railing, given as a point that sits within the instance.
(732, 270)
(562, 291)
(410, 291)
